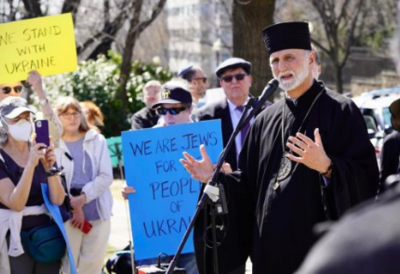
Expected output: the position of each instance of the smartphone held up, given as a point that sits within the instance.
(42, 132)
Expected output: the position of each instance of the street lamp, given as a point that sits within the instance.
(217, 49)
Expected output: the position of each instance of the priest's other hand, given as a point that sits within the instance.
(226, 168)
(311, 154)
(201, 170)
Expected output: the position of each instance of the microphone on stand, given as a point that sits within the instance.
(268, 90)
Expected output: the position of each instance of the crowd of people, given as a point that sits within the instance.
(300, 162)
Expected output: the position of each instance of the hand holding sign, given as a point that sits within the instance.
(166, 196)
(126, 190)
(35, 80)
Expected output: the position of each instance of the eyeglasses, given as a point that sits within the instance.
(238, 77)
(172, 111)
(7, 90)
(204, 79)
(70, 114)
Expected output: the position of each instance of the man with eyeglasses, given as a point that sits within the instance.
(197, 83)
(235, 80)
(34, 82)
(147, 117)
(306, 159)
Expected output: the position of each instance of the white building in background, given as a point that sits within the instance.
(199, 33)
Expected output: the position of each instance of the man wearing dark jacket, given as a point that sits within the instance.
(147, 117)
(235, 79)
(306, 159)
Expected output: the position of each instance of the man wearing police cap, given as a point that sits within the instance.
(306, 159)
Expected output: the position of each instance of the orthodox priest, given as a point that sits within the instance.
(306, 159)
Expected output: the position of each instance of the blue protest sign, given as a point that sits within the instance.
(166, 195)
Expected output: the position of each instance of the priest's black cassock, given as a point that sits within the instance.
(281, 220)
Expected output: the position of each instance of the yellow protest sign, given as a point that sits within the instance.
(46, 44)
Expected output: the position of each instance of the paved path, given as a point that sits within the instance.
(120, 232)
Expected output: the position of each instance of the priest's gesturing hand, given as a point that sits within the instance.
(203, 169)
(311, 154)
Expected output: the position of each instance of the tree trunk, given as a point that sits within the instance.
(136, 27)
(32, 8)
(248, 22)
(130, 42)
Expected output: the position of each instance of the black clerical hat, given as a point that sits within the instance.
(287, 35)
(233, 62)
(174, 93)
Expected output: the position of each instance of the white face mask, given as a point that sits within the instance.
(21, 131)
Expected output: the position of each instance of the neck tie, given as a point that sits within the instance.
(245, 129)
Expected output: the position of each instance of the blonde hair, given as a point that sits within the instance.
(93, 114)
(71, 103)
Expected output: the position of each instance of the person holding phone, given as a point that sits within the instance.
(24, 165)
(84, 155)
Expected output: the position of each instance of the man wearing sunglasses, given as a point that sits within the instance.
(34, 82)
(175, 106)
(197, 83)
(10, 89)
(235, 80)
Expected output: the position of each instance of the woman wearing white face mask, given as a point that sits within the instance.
(23, 167)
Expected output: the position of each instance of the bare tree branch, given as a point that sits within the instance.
(32, 8)
(135, 28)
(107, 34)
(72, 7)
(155, 12)
(227, 11)
(109, 30)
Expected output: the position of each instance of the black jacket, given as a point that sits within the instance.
(144, 118)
